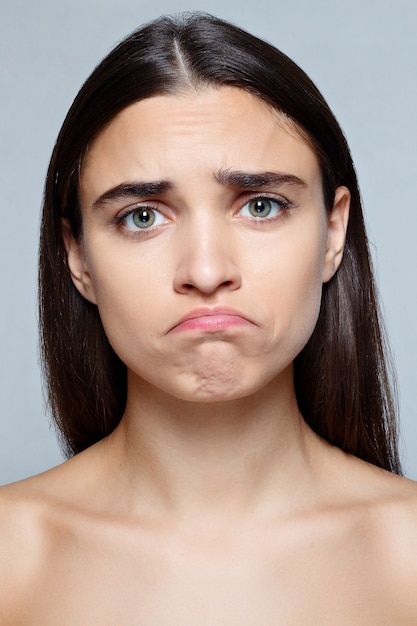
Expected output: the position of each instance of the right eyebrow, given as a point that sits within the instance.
(132, 190)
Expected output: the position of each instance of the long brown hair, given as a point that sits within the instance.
(341, 378)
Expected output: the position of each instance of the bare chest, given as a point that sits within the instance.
(168, 582)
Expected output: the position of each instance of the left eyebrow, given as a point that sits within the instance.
(257, 180)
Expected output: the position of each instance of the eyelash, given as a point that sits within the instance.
(283, 208)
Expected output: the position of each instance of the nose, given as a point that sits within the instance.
(207, 260)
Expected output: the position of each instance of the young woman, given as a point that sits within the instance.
(214, 358)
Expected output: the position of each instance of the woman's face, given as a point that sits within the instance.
(205, 242)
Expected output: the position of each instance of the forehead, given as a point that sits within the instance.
(171, 136)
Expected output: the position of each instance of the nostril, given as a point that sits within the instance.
(198, 273)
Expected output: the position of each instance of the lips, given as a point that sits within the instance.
(211, 319)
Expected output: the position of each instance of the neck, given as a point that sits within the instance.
(220, 456)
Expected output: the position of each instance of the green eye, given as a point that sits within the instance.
(263, 207)
(143, 218)
(260, 207)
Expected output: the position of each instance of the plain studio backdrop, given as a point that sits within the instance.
(361, 54)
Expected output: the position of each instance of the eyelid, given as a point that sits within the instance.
(267, 195)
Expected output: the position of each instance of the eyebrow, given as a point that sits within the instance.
(226, 177)
(133, 190)
(258, 180)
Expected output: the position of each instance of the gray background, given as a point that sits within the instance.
(363, 56)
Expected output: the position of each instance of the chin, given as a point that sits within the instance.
(222, 388)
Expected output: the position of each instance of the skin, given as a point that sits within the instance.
(212, 502)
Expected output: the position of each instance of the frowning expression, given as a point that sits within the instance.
(205, 241)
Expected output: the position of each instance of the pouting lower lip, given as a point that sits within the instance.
(211, 323)
(211, 320)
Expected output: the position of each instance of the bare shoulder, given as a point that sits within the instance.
(21, 541)
(383, 509)
(33, 513)
(389, 495)
(30, 508)
(395, 519)
(395, 525)
(388, 502)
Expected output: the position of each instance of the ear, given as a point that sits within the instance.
(337, 221)
(77, 263)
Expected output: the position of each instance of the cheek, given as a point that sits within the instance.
(122, 298)
(133, 300)
(294, 288)
(130, 324)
